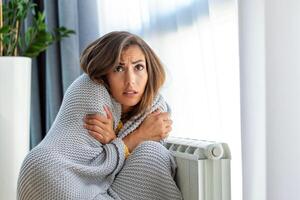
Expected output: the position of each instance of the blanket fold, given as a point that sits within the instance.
(69, 163)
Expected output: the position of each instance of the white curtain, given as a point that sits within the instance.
(197, 40)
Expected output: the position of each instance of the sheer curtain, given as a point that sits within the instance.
(197, 40)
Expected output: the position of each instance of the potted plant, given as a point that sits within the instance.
(17, 47)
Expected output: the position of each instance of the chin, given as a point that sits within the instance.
(130, 104)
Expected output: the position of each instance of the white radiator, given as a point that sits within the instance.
(203, 171)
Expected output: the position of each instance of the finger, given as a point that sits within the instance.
(98, 127)
(91, 115)
(165, 115)
(168, 122)
(157, 111)
(98, 116)
(94, 128)
(95, 122)
(97, 136)
(166, 134)
(168, 128)
(100, 131)
(105, 133)
(108, 113)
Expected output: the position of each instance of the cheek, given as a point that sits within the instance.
(114, 90)
(114, 86)
(143, 78)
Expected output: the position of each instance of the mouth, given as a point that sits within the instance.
(130, 93)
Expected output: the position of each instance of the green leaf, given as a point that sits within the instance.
(36, 38)
(29, 34)
(42, 40)
(62, 32)
(4, 29)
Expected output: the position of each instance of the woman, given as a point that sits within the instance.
(126, 161)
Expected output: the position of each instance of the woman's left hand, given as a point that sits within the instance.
(100, 127)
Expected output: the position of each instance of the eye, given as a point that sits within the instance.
(139, 67)
(119, 68)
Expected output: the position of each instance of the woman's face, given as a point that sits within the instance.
(127, 81)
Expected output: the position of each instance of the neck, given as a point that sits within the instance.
(125, 114)
(125, 109)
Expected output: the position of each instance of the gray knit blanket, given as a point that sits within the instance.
(69, 163)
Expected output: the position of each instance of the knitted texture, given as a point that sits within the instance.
(70, 164)
(147, 175)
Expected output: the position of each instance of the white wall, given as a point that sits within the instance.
(270, 91)
(283, 98)
(252, 76)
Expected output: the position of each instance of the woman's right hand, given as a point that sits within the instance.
(156, 126)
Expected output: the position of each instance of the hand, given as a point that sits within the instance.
(100, 127)
(155, 127)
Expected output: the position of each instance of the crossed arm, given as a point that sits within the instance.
(155, 127)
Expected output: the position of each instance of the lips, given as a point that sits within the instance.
(130, 93)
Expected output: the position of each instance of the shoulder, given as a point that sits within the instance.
(160, 103)
(85, 84)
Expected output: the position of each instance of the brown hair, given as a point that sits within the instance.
(103, 54)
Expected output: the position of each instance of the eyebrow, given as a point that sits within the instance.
(134, 62)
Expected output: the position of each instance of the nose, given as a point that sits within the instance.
(130, 77)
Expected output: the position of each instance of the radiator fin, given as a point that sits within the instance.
(203, 171)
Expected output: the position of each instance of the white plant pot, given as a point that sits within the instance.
(15, 87)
